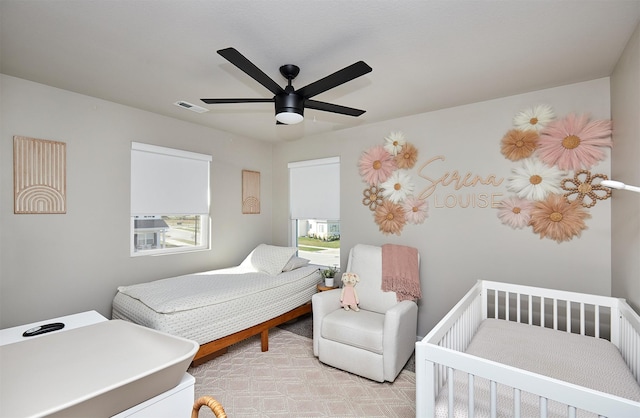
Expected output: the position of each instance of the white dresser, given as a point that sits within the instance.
(175, 402)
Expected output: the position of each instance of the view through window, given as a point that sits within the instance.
(168, 232)
(314, 199)
(318, 241)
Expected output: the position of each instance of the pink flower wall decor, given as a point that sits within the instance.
(385, 168)
(407, 156)
(574, 142)
(390, 217)
(557, 219)
(517, 144)
(515, 212)
(549, 149)
(415, 210)
(376, 165)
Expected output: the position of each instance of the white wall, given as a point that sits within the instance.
(625, 206)
(52, 265)
(461, 245)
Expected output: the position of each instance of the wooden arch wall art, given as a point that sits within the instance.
(39, 176)
(250, 192)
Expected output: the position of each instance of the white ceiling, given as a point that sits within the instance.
(425, 55)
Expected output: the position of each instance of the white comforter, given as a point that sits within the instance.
(210, 305)
(194, 291)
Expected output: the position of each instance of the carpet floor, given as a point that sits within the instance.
(304, 326)
(288, 381)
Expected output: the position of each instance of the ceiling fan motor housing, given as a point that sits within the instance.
(289, 102)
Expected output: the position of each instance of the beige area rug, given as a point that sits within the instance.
(288, 381)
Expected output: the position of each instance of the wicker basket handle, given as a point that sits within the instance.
(214, 405)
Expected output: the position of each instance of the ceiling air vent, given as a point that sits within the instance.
(190, 106)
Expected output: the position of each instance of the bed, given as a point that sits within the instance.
(508, 350)
(221, 307)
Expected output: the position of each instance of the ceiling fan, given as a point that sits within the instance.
(289, 102)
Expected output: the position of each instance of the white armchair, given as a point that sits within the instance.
(375, 342)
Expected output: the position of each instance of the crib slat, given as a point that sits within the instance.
(507, 311)
(555, 314)
(597, 321)
(571, 413)
(516, 403)
(518, 308)
(471, 404)
(494, 399)
(530, 301)
(631, 348)
(582, 330)
(569, 316)
(450, 385)
(635, 357)
(542, 318)
(543, 407)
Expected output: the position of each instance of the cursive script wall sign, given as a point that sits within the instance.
(461, 183)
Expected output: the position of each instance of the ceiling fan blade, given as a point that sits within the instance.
(217, 101)
(240, 61)
(330, 107)
(356, 70)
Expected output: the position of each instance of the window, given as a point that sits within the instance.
(169, 200)
(314, 199)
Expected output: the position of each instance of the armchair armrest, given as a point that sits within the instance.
(323, 303)
(400, 332)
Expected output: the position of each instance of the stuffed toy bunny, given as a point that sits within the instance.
(348, 295)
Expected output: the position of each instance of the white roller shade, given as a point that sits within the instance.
(167, 181)
(314, 189)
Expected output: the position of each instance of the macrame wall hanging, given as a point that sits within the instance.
(250, 192)
(39, 176)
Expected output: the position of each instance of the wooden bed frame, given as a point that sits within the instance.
(219, 347)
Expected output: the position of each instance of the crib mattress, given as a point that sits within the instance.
(585, 361)
(207, 306)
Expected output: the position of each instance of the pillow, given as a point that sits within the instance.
(295, 263)
(269, 259)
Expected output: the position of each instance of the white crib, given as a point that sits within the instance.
(442, 351)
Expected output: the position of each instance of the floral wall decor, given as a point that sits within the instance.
(390, 191)
(547, 196)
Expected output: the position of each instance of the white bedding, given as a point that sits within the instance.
(586, 361)
(210, 305)
(194, 291)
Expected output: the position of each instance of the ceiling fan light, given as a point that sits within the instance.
(289, 118)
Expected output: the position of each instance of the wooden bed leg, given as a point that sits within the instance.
(216, 346)
(211, 356)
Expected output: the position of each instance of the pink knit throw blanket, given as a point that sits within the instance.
(400, 272)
